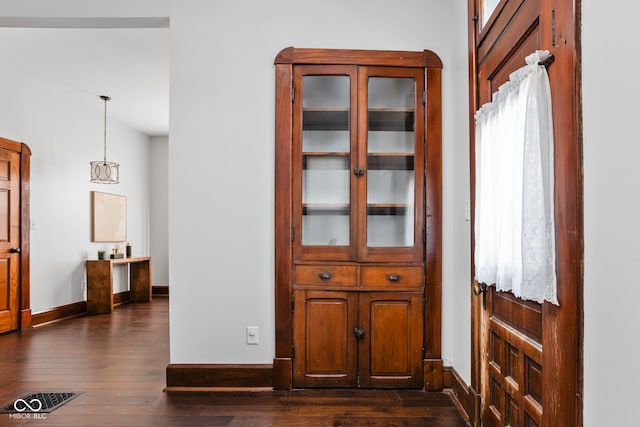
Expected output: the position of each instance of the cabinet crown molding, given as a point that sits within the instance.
(397, 58)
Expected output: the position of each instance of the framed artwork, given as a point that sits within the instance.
(109, 217)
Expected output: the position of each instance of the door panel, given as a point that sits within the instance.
(9, 238)
(391, 350)
(513, 392)
(325, 348)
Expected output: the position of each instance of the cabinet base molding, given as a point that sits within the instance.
(25, 318)
(58, 313)
(432, 374)
(282, 374)
(463, 396)
(198, 376)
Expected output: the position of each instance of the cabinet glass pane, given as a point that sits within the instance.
(390, 162)
(325, 164)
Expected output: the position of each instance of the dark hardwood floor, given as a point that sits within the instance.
(118, 361)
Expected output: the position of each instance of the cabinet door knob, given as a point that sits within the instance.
(393, 277)
(325, 276)
(15, 250)
(358, 171)
(359, 333)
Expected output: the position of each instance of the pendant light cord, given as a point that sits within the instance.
(105, 130)
(105, 98)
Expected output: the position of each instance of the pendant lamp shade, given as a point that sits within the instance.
(102, 171)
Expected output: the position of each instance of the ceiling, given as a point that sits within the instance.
(131, 65)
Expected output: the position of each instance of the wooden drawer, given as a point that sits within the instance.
(391, 277)
(332, 275)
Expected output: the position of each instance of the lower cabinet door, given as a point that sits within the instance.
(357, 339)
(325, 349)
(390, 351)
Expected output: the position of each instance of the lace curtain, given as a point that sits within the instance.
(514, 221)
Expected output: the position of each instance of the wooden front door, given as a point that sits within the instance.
(9, 240)
(527, 356)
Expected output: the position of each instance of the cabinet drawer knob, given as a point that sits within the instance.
(325, 276)
(393, 277)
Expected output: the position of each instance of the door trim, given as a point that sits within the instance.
(25, 224)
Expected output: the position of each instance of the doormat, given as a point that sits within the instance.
(40, 402)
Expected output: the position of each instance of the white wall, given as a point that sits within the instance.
(159, 200)
(221, 151)
(456, 276)
(64, 136)
(611, 93)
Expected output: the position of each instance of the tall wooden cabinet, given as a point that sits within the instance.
(358, 219)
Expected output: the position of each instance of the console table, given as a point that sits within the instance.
(100, 282)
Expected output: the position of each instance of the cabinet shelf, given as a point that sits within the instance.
(325, 119)
(325, 209)
(325, 161)
(390, 209)
(390, 161)
(338, 119)
(390, 120)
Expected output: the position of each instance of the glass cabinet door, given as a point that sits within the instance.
(358, 157)
(393, 143)
(326, 216)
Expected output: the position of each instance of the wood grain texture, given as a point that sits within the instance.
(123, 381)
(433, 217)
(283, 221)
(390, 355)
(326, 352)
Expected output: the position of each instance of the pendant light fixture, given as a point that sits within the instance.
(102, 171)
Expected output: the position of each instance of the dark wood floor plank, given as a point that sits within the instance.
(118, 361)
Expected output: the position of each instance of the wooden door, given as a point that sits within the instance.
(324, 156)
(527, 356)
(390, 351)
(9, 240)
(325, 352)
(391, 125)
(511, 338)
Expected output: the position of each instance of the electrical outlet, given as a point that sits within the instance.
(252, 335)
